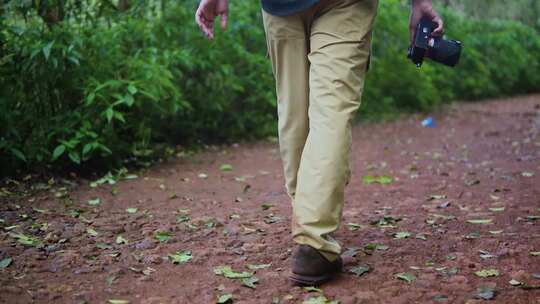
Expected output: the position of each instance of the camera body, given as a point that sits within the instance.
(435, 48)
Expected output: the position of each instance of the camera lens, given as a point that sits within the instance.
(445, 51)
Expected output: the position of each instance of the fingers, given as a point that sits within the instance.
(224, 20)
(440, 28)
(206, 25)
(223, 11)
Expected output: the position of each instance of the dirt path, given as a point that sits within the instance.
(481, 162)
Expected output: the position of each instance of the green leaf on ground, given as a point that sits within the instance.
(94, 202)
(440, 298)
(496, 231)
(92, 232)
(250, 282)
(259, 266)
(5, 263)
(181, 257)
(121, 240)
(487, 273)
(225, 298)
(113, 301)
(437, 197)
(486, 255)
(226, 167)
(266, 206)
(312, 289)
(360, 270)
(319, 300)
(132, 210)
(480, 221)
(497, 209)
(473, 235)
(421, 236)
(402, 235)
(372, 179)
(227, 272)
(405, 277)
(485, 293)
(39, 210)
(26, 240)
(183, 218)
(375, 246)
(386, 221)
(353, 226)
(163, 236)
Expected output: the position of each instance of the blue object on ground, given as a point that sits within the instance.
(429, 123)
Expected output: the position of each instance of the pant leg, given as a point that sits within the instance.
(340, 49)
(288, 49)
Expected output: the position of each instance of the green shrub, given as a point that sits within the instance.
(98, 84)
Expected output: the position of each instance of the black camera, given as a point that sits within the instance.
(436, 48)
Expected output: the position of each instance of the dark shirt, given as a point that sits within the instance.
(286, 7)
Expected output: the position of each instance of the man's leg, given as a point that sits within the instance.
(288, 48)
(340, 48)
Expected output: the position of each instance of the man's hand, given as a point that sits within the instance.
(420, 9)
(208, 11)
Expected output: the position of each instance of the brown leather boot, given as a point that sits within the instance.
(310, 267)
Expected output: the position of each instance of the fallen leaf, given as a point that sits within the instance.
(312, 289)
(473, 235)
(485, 293)
(440, 298)
(386, 221)
(401, 235)
(319, 300)
(514, 282)
(527, 174)
(535, 253)
(92, 232)
(497, 209)
(26, 240)
(202, 175)
(421, 236)
(180, 257)
(5, 263)
(353, 226)
(227, 272)
(487, 273)
(495, 231)
(225, 298)
(256, 267)
(183, 218)
(226, 167)
(121, 240)
(113, 301)
(94, 202)
(405, 277)
(480, 221)
(486, 255)
(437, 197)
(250, 282)
(266, 206)
(360, 270)
(163, 236)
(371, 179)
(131, 210)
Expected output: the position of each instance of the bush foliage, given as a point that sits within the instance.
(97, 81)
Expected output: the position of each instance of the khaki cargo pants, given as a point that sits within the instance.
(319, 60)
